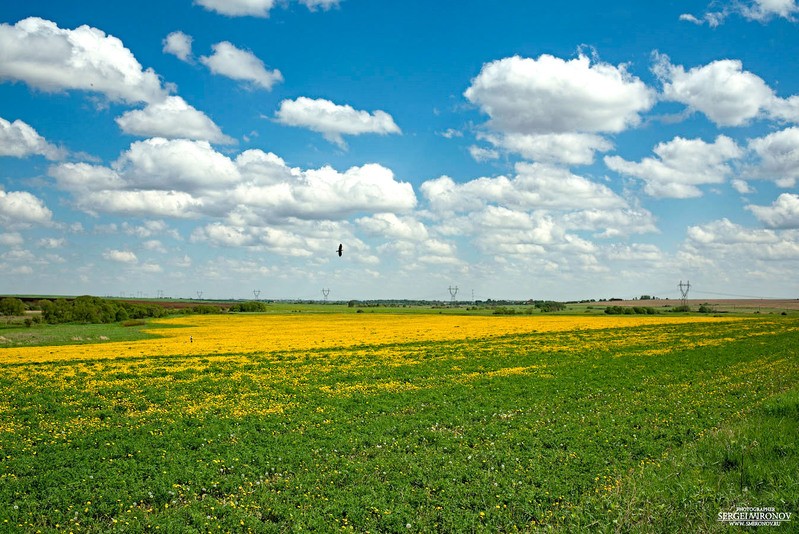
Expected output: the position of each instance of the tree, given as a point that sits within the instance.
(12, 306)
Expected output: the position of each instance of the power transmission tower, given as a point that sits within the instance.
(256, 293)
(684, 291)
(452, 292)
(325, 292)
(200, 295)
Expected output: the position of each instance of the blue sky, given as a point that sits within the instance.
(512, 149)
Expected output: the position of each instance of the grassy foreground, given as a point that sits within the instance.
(631, 426)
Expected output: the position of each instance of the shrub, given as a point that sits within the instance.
(550, 306)
(11, 306)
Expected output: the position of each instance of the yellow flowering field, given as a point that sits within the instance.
(244, 334)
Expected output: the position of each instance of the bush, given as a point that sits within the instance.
(253, 306)
(12, 306)
(625, 310)
(550, 306)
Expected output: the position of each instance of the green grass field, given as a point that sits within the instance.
(653, 428)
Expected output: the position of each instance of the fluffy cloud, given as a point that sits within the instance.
(20, 209)
(535, 186)
(779, 156)
(393, 227)
(177, 204)
(610, 223)
(783, 212)
(728, 242)
(322, 193)
(177, 164)
(723, 91)
(762, 10)
(567, 148)
(551, 95)
(242, 65)
(239, 8)
(179, 45)
(120, 256)
(182, 178)
(334, 120)
(301, 239)
(84, 178)
(172, 118)
(257, 8)
(756, 10)
(533, 216)
(39, 53)
(681, 165)
(19, 140)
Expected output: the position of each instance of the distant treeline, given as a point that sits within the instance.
(630, 310)
(96, 310)
(87, 309)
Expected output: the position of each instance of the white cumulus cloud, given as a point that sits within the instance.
(567, 148)
(239, 8)
(726, 93)
(551, 95)
(778, 155)
(334, 120)
(179, 45)
(20, 140)
(783, 212)
(172, 118)
(183, 178)
(120, 256)
(20, 208)
(49, 58)
(681, 165)
(241, 65)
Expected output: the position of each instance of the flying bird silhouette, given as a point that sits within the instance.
(340, 249)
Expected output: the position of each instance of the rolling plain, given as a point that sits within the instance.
(400, 422)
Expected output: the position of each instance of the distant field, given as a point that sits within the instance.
(727, 305)
(403, 423)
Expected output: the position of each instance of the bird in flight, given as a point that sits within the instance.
(340, 249)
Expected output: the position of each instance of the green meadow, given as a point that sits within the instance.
(650, 428)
